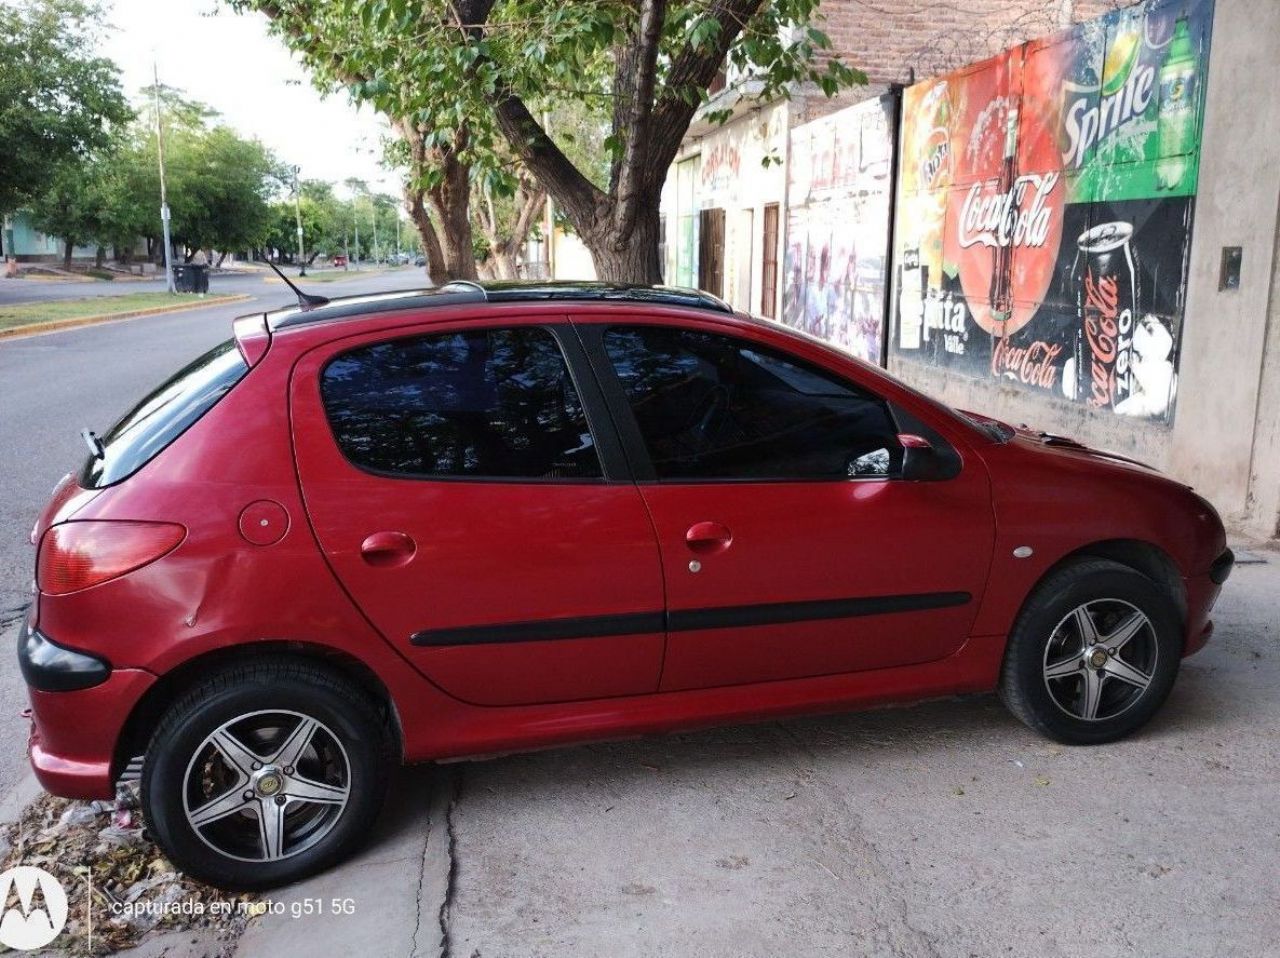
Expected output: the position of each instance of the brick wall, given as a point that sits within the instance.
(886, 39)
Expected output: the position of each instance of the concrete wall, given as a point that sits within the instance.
(570, 258)
(1226, 334)
(1225, 436)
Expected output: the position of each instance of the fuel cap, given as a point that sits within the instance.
(263, 522)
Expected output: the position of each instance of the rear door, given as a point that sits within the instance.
(791, 545)
(473, 504)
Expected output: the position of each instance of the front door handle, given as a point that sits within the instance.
(708, 538)
(387, 549)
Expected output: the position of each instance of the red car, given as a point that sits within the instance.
(435, 525)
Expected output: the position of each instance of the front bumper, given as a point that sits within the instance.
(74, 733)
(1202, 593)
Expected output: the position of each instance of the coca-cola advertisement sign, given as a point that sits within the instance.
(1044, 210)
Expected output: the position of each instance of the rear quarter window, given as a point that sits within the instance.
(165, 414)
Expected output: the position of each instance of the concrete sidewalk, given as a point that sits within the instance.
(947, 829)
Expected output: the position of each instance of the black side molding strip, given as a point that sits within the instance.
(544, 630)
(725, 617)
(777, 613)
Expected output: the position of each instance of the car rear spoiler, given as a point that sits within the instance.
(252, 337)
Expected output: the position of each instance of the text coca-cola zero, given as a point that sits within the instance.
(1107, 301)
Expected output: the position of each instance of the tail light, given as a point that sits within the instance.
(76, 555)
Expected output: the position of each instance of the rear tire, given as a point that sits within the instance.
(1093, 654)
(265, 773)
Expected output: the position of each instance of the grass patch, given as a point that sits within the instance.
(35, 314)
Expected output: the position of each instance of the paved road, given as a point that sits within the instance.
(251, 281)
(53, 385)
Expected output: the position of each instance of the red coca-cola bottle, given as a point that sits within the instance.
(1001, 295)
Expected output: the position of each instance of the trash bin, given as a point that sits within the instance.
(191, 278)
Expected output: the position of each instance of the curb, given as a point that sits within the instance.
(35, 329)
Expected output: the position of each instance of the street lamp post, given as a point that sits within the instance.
(164, 198)
(297, 211)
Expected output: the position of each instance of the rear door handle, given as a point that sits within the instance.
(708, 538)
(387, 549)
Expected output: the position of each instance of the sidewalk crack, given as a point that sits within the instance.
(446, 905)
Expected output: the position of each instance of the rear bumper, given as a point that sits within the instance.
(74, 733)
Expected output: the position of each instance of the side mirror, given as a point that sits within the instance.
(921, 462)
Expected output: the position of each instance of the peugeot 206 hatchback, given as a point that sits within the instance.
(445, 524)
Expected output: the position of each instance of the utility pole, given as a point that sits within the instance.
(164, 197)
(355, 219)
(297, 212)
(375, 233)
(397, 237)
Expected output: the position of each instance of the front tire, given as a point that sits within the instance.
(265, 773)
(1093, 654)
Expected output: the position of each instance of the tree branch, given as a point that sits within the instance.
(691, 72)
(636, 74)
(532, 207)
(577, 195)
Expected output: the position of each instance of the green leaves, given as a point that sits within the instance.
(446, 68)
(60, 102)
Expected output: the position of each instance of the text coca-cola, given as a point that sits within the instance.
(1107, 301)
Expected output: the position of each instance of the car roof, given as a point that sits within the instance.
(462, 292)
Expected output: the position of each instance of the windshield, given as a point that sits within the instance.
(164, 415)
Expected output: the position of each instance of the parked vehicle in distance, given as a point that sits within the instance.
(485, 518)
(340, 261)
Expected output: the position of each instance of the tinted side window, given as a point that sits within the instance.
(712, 407)
(486, 403)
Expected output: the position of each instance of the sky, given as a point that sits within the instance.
(229, 61)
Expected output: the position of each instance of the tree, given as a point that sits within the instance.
(506, 218)
(59, 101)
(219, 184)
(464, 72)
(70, 206)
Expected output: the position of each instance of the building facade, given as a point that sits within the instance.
(1084, 221)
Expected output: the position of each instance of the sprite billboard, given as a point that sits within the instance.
(1044, 212)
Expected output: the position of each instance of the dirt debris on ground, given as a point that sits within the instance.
(120, 887)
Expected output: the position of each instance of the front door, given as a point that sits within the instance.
(457, 488)
(791, 546)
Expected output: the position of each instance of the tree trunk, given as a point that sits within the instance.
(415, 206)
(636, 259)
(101, 257)
(221, 257)
(68, 248)
(499, 264)
(448, 249)
(451, 201)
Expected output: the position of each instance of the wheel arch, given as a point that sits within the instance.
(142, 720)
(1141, 556)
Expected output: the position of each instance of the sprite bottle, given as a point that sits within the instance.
(1178, 120)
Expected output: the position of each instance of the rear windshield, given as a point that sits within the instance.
(164, 415)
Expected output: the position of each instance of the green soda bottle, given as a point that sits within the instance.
(1178, 121)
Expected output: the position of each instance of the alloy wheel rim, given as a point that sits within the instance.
(1100, 659)
(266, 785)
